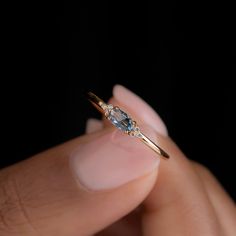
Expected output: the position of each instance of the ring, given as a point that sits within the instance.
(124, 122)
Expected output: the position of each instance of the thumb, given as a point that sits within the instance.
(77, 188)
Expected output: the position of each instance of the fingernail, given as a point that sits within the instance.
(112, 160)
(140, 107)
(93, 125)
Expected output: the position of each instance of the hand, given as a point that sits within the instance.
(83, 186)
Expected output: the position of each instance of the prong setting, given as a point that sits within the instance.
(135, 132)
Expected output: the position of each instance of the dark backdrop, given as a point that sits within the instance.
(175, 55)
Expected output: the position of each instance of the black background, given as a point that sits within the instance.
(175, 55)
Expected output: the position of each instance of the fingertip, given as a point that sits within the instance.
(112, 160)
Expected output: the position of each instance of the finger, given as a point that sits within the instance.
(93, 125)
(222, 203)
(77, 188)
(178, 204)
(129, 225)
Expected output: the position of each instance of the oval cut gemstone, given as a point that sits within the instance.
(120, 119)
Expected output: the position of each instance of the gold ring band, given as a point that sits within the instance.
(124, 122)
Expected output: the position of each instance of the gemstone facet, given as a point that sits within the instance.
(120, 119)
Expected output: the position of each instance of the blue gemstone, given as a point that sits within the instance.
(120, 119)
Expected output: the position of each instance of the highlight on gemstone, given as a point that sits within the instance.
(120, 119)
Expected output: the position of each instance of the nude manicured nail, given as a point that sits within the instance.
(112, 160)
(139, 107)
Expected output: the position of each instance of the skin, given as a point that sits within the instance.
(40, 196)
